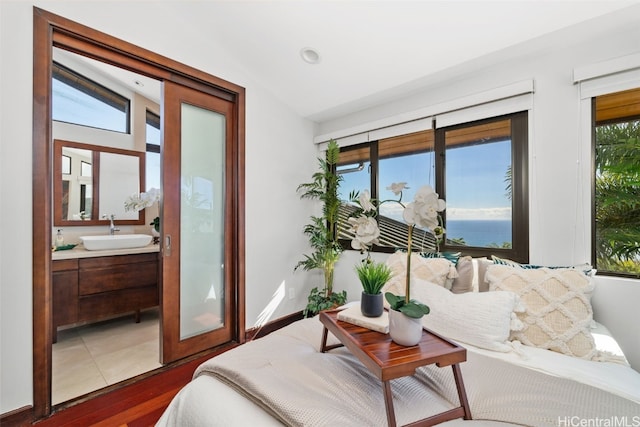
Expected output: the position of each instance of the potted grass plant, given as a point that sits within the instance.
(373, 276)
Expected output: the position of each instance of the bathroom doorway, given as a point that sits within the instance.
(54, 31)
(91, 355)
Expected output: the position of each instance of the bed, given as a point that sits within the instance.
(283, 378)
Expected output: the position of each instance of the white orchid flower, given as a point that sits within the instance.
(397, 187)
(423, 211)
(366, 232)
(426, 194)
(138, 201)
(365, 201)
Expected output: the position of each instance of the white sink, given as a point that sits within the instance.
(117, 241)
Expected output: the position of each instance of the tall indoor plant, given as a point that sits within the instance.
(322, 231)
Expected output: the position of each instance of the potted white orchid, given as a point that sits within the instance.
(423, 212)
(138, 201)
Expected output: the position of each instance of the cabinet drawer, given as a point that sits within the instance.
(95, 306)
(115, 277)
(107, 261)
(64, 264)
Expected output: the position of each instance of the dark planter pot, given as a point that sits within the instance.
(371, 305)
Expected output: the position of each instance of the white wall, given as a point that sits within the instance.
(559, 158)
(274, 136)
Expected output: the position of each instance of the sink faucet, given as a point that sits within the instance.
(112, 227)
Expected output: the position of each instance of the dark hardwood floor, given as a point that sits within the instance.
(139, 404)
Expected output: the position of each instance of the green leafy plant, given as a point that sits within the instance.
(373, 275)
(319, 301)
(411, 308)
(322, 230)
(156, 223)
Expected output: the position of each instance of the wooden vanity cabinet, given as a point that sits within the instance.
(65, 293)
(88, 289)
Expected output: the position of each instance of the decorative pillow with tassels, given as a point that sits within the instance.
(558, 314)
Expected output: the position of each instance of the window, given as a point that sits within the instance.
(479, 168)
(152, 179)
(101, 107)
(616, 246)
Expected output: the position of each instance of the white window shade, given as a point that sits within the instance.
(401, 129)
(491, 109)
(610, 76)
(386, 132)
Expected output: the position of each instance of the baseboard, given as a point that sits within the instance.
(267, 328)
(18, 417)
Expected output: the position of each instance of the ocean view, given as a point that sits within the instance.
(480, 232)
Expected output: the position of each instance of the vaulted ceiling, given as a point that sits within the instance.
(369, 51)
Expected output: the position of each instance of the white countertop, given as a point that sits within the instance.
(80, 252)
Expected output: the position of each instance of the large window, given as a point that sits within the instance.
(81, 101)
(479, 168)
(616, 234)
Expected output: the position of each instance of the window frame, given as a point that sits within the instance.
(520, 186)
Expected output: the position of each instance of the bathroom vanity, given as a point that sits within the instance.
(89, 286)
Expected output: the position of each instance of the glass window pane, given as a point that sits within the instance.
(617, 181)
(408, 158)
(202, 221)
(152, 135)
(153, 128)
(354, 166)
(478, 185)
(78, 100)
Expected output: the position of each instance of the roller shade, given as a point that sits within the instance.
(491, 109)
(615, 75)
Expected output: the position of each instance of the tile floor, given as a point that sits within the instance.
(90, 357)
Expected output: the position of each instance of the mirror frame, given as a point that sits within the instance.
(58, 145)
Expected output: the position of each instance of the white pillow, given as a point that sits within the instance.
(482, 319)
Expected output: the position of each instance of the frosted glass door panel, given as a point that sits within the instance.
(202, 221)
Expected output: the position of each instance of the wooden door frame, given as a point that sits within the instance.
(50, 30)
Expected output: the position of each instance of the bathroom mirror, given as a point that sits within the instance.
(91, 181)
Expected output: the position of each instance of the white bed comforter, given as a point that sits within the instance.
(286, 375)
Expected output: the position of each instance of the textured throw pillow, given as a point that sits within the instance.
(481, 319)
(435, 270)
(464, 282)
(558, 313)
(585, 268)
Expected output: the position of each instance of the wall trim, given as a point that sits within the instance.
(274, 325)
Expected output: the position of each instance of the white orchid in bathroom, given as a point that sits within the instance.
(138, 201)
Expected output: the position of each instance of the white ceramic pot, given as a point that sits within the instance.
(404, 330)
